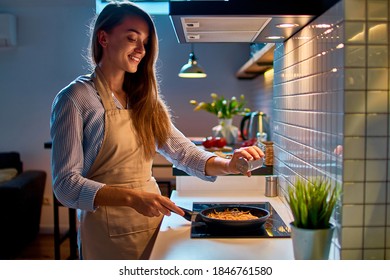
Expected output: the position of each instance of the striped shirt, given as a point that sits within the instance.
(77, 129)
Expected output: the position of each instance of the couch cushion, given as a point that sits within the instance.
(7, 174)
(11, 160)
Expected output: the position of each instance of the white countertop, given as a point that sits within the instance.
(174, 242)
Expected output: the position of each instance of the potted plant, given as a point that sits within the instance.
(224, 109)
(312, 203)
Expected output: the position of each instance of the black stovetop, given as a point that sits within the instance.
(274, 227)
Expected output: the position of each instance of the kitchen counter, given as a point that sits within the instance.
(174, 242)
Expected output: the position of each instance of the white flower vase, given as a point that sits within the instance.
(226, 130)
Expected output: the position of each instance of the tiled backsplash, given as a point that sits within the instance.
(331, 89)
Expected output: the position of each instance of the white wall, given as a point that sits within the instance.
(331, 88)
(308, 106)
(52, 39)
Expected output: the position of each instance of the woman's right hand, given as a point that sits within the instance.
(145, 203)
(153, 205)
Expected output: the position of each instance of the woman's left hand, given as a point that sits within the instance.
(217, 166)
(249, 153)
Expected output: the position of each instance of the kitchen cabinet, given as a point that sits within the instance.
(260, 62)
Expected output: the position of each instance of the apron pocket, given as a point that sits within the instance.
(126, 220)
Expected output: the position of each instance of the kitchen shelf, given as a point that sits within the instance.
(260, 62)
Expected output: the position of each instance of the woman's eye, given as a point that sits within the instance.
(132, 39)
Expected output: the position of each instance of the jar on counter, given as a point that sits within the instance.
(268, 148)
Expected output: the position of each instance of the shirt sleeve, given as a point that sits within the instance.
(186, 156)
(66, 129)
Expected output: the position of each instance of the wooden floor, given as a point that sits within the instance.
(42, 248)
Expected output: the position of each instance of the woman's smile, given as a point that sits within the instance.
(135, 58)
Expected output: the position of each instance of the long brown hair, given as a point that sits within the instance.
(151, 116)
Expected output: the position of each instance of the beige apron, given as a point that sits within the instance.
(118, 232)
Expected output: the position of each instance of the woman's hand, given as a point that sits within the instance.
(153, 205)
(249, 153)
(216, 166)
(145, 203)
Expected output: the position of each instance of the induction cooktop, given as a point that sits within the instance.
(274, 227)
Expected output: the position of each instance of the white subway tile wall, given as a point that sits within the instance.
(331, 88)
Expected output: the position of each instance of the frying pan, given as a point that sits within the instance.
(201, 216)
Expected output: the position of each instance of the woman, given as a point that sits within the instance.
(106, 128)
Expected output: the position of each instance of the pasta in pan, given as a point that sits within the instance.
(233, 214)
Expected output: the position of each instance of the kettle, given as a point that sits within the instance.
(253, 123)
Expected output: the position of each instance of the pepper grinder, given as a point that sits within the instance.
(271, 186)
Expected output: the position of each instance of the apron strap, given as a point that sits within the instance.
(103, 89)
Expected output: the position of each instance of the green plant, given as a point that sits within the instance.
(312, 203)
(222, 107)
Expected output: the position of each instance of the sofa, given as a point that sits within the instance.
(21, 198)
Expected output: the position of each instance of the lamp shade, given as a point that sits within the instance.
(192, 69)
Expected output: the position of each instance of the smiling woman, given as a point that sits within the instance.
(104, 140)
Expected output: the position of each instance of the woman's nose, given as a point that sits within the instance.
(140, 48)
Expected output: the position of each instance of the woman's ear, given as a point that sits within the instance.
(102, 38)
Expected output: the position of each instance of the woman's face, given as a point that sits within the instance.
(124, 45)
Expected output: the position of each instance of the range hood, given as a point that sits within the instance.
(254, 21)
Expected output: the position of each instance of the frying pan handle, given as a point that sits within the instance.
(187, 213)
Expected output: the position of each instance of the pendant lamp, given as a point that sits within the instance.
(192, 69)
